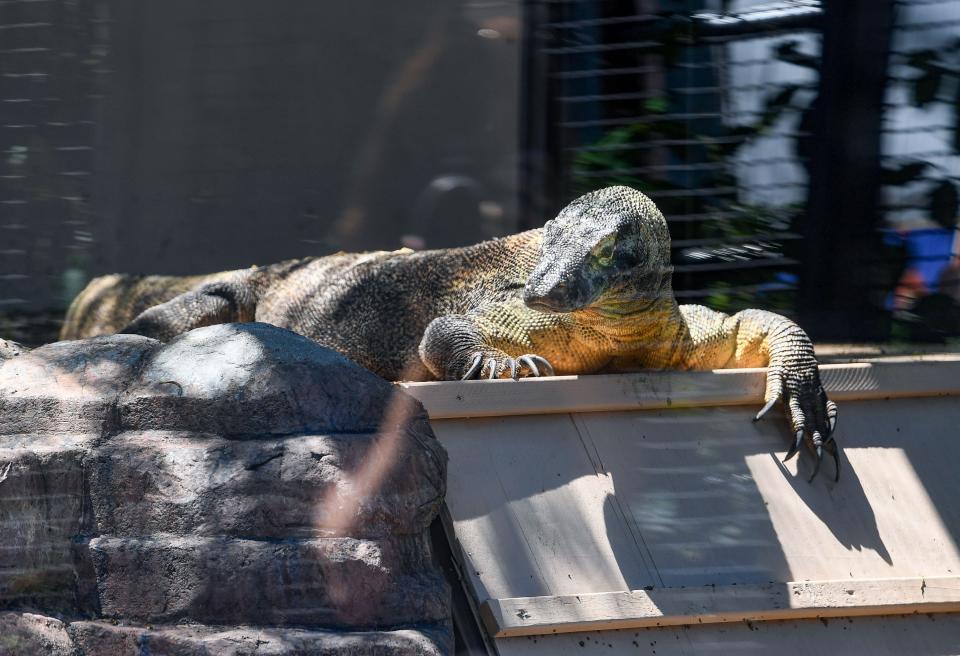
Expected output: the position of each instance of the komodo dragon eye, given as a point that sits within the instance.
(603, 251)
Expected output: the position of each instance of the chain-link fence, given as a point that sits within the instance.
(805, 154)
(187, 137)
(724, 114)
(51, 80)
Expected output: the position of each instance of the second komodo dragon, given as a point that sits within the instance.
(589, 292)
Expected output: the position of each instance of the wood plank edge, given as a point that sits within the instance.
(505, 618)
(466, 582)
(675, 389)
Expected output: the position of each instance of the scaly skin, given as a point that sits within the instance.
(589, 292)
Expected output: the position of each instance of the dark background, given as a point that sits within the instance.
(805, 155)
(182, 137)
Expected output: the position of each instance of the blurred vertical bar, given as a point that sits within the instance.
(538, 175)
(841, 246)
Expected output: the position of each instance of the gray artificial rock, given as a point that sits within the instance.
(69, 387)
(185, 483)
(256, 379)
(28, 634)
(337, 582)
(43, 508)
(239, 475)
(199, 640)
(9, 349)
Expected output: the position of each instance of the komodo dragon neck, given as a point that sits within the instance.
(642, 335)
(648, 334)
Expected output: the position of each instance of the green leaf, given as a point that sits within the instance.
(945, 204)
(656, 105)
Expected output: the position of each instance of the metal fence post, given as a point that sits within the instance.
(838, 281)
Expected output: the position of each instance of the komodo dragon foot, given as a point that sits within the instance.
(809, 411)
(496, 366)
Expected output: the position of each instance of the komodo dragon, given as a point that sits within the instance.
(589, 292)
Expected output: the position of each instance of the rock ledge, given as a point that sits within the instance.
(242, 487)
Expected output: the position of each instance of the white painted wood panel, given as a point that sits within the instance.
(709, 604)
(910, 635)
(529, 510)
(708, 492)
(578, 499)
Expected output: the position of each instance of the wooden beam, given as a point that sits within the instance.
(653, 390)
(718, 604)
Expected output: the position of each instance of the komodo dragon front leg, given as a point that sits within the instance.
(507, 338)
(757, 338)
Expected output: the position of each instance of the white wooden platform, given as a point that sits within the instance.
(587, 509)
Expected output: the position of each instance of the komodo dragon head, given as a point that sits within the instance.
(607, 252)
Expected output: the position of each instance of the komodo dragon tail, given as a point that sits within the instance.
(109, 303)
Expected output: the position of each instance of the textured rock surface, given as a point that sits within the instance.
(327, 581)
(102, 638)
(9, 349)
(42, 510)
(279, 487)
(244, 379)
(69, 387)
(26, 634)
(240, 476)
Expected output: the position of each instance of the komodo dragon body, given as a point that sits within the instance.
(589, 292)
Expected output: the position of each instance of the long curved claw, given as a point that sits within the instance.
(765, 409)
(536, 364)
(527, 361)
(795, 446)
(547, 367)
(835, 451)
(490, 366)
(807, 408)
(474, 367)
(816, 467)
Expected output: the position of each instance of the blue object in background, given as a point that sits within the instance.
(928, 252)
